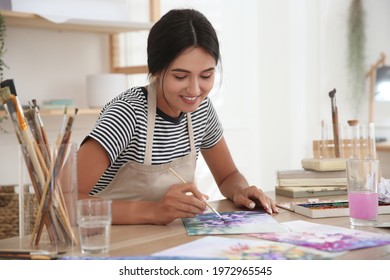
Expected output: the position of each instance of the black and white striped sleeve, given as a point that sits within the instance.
(214, 129)
(115, 128)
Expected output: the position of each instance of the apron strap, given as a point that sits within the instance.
(190, 133)
(152, 98)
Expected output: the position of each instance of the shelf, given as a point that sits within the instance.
(99, 26)
(85, 111)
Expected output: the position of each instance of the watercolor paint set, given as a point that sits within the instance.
(326, 208)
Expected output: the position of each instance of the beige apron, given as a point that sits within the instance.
(135, 181)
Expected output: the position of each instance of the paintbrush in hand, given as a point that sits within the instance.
(204, 200)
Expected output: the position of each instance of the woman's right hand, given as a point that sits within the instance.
(180, 201)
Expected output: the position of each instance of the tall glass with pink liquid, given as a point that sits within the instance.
(362, 180)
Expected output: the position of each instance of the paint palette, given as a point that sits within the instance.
(325, 209)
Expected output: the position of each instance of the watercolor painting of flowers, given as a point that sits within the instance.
(236, 222)
(326, 238)
(218, 247)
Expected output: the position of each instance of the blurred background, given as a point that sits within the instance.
(280, 60)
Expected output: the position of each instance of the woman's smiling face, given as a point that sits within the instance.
(186, 83)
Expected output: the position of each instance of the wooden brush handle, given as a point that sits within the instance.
(336, 132)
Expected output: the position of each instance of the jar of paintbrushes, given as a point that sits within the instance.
(47, 176)
(48, 196)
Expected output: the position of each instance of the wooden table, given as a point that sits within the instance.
(141, 240)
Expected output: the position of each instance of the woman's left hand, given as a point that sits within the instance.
(251, 196)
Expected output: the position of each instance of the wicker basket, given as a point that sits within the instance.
(9, 212)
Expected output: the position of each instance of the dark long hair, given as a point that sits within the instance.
(176, 31)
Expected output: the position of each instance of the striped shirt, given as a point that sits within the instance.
(122, 128)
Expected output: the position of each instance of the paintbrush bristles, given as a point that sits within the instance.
(332, 93)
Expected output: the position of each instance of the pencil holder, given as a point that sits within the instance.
(48, 196)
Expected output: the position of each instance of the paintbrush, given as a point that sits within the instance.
(62, 140)
(44, 135)
(27, 141)
(28, 255)
(40, 145)
(335, 122)
(35, 164)
(204, 200)
(11, 110)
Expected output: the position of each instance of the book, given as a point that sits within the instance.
(330, 164)
(298, 192)
(383, 225)
(326, 208)
(302, 178)
(62, 102)
(303, 173)
(312, 182)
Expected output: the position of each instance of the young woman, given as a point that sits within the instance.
(147, 134)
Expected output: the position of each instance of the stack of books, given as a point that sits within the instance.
(310, 183)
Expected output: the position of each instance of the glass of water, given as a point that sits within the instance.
(94, 221)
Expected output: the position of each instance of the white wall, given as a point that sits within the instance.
(280, 59)
(237, 29)
(378, 40)
(280, 62)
